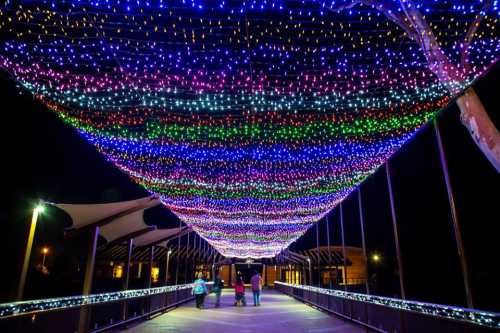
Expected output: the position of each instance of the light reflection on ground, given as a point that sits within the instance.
(278, 313)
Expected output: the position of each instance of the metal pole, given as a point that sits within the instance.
(395, 227)
(317, 252)
(363, 242)
(454, 217)
(264, 272)
(177, 259)
(310, 272)
(83, 322)
(89, 270)
(130, 248)
(187, 259)
(329, 251)
(150, 268)
(343, 245)
(27, 254)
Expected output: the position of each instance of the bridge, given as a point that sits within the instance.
(287, 308)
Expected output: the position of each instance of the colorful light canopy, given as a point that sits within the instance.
(250, 119)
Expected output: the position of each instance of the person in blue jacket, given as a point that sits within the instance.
(200, 290)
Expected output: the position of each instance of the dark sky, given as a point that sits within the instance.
(43, 158)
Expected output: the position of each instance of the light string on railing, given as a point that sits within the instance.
(472, 316)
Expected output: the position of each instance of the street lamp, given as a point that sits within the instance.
(45, 250)
(375, 257)
(36, 211)
(310, 270)
(168, 261)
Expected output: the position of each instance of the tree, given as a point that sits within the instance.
(453, 76)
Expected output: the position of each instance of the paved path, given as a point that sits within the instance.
(278, 313)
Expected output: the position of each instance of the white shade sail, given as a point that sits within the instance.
(156, 235)
(124, 223)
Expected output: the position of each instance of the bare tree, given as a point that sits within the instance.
(452, 75)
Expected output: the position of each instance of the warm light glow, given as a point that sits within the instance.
(45, 250)
(375, 257)
(155, 274)
(117, 272)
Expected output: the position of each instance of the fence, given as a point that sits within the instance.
(92, 313)
(383, 314)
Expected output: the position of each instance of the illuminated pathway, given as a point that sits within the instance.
(278, 313)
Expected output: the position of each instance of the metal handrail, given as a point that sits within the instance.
(92, 313)
(438, 311)
(50, 304)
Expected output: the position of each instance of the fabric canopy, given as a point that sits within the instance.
(155, 236)
(122, 225)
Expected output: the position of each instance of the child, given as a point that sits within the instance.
(239, 290)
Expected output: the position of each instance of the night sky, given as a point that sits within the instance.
(44, 158)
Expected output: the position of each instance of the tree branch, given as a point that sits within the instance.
(391, 13)
(471, 32)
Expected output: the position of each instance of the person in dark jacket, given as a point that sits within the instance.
(217, 289)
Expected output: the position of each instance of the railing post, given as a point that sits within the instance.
(454, 216)
(395, 229)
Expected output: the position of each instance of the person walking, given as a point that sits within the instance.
(256, 282)
(199, 290)
(217, 289)
(239, 292)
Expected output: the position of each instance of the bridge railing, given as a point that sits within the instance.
(384, 314)
(92, 313)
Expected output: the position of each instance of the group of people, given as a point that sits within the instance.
(200, 290)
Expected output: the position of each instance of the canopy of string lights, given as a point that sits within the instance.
(251, 119)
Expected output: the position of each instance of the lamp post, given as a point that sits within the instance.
(20, 290)
(45, 250)
(310, 271)
(168, 262)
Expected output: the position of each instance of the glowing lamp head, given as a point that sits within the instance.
(375, 257)
(45, 250)
(39, 209)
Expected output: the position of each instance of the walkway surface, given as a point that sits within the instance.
(278, 313)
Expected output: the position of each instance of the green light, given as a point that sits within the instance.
(39, 209)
